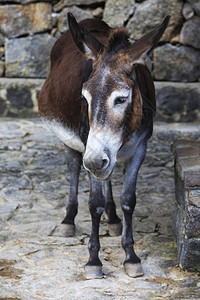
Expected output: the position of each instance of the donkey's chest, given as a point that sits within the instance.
(68, 136)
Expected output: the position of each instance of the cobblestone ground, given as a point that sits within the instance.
(36, 263)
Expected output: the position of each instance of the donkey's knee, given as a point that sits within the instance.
(128, 202)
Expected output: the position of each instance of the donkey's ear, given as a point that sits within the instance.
(143, 47)
(83, 39)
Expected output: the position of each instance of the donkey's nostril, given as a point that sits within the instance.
(101, 164)
(104, 164)
(105, 161)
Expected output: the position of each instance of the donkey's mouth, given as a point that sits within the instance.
(102, 177)
(100, 174)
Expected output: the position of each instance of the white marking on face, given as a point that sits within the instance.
(87, 96)
(114, 103)
(69, 137)
(99, 140)
(105, 72)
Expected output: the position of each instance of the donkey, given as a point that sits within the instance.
(99, 100)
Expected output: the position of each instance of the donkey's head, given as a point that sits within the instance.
(111, 90)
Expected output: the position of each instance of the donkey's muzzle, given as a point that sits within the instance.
(98, 165)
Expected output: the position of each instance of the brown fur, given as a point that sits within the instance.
(144, 83)
(60, 97)
(117, 40)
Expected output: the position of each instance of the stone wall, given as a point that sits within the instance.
(29, 28)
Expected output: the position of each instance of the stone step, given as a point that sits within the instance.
(187, 212)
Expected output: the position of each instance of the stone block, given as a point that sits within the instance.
(18, 20)
(176, 63)
(68, 3)
(18, 97)
(192, 227)
(190, 254)
(180, 186)
(151, 13)
(179, 226)
(177, 102)
(194, 195)
(116, 13)
(196, 6)
(188, 35)
(187, 212)
(187, 156)
(187, 11)
(18, 1)
(30, 57)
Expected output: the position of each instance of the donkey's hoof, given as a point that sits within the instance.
(67, 230)
(115, 229)
(133, 270)
(92, 272)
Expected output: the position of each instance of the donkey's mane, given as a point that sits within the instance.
(118, 39)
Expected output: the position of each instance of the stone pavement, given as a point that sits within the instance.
(36, 263)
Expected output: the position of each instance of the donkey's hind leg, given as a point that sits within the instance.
(74, 162)
(114, 222)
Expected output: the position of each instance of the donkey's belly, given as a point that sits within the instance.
(68, 136)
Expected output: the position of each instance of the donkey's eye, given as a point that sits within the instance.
(120, 100)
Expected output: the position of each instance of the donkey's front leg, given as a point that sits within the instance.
(93, 268)
(132, 265)
(74, 162)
